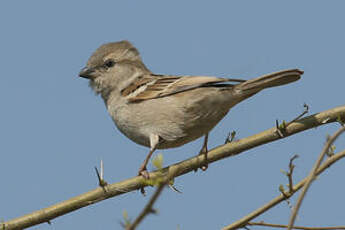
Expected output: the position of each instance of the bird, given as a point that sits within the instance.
(166, 111)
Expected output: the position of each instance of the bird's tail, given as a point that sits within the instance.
(253, 86)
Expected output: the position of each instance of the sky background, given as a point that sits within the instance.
(54, 130)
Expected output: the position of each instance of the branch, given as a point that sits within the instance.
(295, 227)
(312, 175)
(227, 150)
(289, 174)
(242, 222)
(149, 206)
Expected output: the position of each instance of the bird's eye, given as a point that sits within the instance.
(109, 63)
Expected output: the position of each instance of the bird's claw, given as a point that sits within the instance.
(144, 173)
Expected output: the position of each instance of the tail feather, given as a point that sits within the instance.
(269, 80)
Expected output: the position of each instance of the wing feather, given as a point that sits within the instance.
(154, 86)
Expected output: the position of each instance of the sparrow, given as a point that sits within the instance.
(166, 111)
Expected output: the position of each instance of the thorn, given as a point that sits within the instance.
(279, 129)
(230, 137)
(102, 170)
(174, 188)
(101, 182)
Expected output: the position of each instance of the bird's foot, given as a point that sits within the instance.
(144, 173)
(204, 152)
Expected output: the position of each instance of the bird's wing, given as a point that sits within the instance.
(154, 86)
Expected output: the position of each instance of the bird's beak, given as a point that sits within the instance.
(87, 72)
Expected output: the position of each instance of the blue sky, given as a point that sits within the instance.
(54, 130)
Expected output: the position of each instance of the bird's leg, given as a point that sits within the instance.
(204, 151)
(154, 140)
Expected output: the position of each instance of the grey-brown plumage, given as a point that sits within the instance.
(166, 111)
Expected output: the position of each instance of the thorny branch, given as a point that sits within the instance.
(312, 175)
(291, 168)
(290, 178)
(101, 182)
(243, 221)
(148, 209)
(295, 227)
(286, 194)
(216, 154)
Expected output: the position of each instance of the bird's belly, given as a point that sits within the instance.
(176, 124)
(194, 127)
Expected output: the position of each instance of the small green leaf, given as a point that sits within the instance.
(281, 188)
(284, 172)
(126, 219)
(158, 161)
(282, 125)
